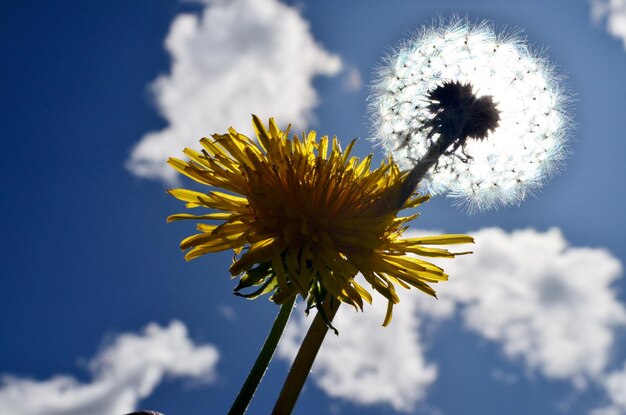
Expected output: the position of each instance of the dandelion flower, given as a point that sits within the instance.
(487, 112)
(303, 217)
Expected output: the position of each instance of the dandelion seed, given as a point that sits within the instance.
(303, 217)
(486, 112)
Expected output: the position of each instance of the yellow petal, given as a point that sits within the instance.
(441, 240)
(257, 253)
(210, 216)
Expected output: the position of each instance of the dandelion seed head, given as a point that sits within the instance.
(512, 124)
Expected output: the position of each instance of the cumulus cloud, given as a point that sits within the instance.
(367, 364)
(615, 385)
(614, 11)
(123, 373)
(550, 306)
(239, 57)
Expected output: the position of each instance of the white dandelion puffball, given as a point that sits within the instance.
(485, 164)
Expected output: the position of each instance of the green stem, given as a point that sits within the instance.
(262, 361)
(304, 360)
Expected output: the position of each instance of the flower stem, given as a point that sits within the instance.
(304, 360)
(424, 164)
(262, 361)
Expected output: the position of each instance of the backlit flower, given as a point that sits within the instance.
(303, 217)
(492, 107)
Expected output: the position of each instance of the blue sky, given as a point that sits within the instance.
(98, 302)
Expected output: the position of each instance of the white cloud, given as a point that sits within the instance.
(615, 385)
(228, 312)
(367, 364)
(549, 305)
(123, 373)
(240, 57)
(504, 377)
(615, 13)
(352, 80)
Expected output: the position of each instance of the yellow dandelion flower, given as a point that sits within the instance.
(303, 217)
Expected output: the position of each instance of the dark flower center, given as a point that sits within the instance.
(458, 114)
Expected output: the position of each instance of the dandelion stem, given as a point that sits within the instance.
(304, 360)
(265, 356)
(424, 164)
